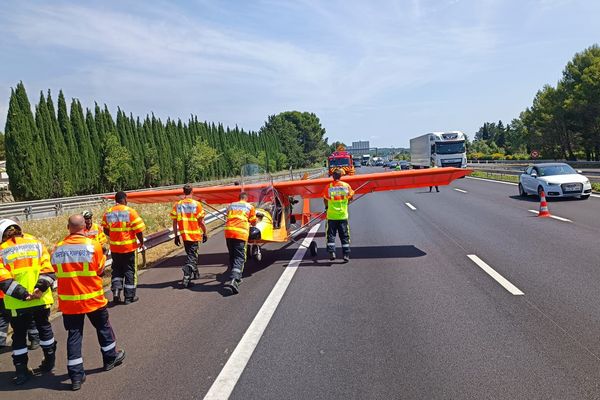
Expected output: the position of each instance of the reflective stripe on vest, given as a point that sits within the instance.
(76, 297)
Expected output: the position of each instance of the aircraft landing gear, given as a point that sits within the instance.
(254, 252)
(313, 248)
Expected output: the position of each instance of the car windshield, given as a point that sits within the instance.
(562, 169)
(449, 147)
(339, 162)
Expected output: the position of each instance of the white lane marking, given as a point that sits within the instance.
(460, 190)
(595, 195)
(499, 278)
(491, 180)
(411, 206)
(231, 372)
(552, 216)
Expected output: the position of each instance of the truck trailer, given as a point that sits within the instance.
(439, 149)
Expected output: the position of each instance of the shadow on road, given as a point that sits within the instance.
(535, 199)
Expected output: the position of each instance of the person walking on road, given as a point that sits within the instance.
(124, 228)
(79, 264)
(188, 222)
(431, 187)
(336, 196)
(240, 215)
(26, 278)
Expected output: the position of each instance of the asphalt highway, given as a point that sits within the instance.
(462, 294)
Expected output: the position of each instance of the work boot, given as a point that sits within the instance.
(118, 360)
(22, 373)
(436, 189)
(196, 274)
(49, 360)
(346, 258)
(332, 256)
(129, 300)
(234, 286)
(76, 385)
(186, 281)
(117, 297)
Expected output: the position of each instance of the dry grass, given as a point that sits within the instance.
(52, 230)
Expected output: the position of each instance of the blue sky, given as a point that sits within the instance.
(383, 70)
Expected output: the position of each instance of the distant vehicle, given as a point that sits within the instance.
(342, 160)
(556, 180)
(439, 149)
(357, 163)
(393, 164)
(379, 163)
(403, 165)
(366, 159)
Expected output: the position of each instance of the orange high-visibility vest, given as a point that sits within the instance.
(240, 215)
(337, 194)
(123, 223)
(188, 213)
(95, 232)
(77, 261)
(23, 259)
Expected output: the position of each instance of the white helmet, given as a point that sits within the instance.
(5, 224)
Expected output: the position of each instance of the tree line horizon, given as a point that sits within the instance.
(72, 151)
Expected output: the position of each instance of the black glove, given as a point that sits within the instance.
(177, 241)
(204, 238)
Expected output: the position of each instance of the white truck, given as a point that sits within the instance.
(440, 149)
(366, 159)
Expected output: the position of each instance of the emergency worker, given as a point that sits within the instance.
(240, 215)
(32, 332)
(188, 221)
(124, 228)
(79, 264)
(431, 187)
(93, 230)
(336, 196)
(26, 278)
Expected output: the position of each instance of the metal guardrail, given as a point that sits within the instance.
(516, 171)
(47, 208)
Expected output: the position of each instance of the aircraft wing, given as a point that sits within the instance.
(376, 182)
(311, 188)
(209, 194)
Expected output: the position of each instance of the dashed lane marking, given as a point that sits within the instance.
(411, 206)
(497, 277)
(231, 372)
(552, 216)
(460, 190)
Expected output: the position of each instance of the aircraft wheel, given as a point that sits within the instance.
(313, 248)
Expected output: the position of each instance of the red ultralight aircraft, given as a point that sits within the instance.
(275, 200)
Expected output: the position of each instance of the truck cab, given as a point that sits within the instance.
(439, 149)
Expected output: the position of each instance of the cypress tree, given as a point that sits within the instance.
(73, 169)
(87, 156)
(20, 156)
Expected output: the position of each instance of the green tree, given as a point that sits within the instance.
(116, 163)
(21, 157)
(199, 158)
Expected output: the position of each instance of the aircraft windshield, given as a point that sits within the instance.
(339, 162)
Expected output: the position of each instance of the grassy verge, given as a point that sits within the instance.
(515, 178)
(496, 177)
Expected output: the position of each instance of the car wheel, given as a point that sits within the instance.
(522, 191)
(540, 190)
(584, 197)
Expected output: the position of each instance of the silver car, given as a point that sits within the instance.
(556, 180)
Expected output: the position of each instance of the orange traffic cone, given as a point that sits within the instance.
(543, 206)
